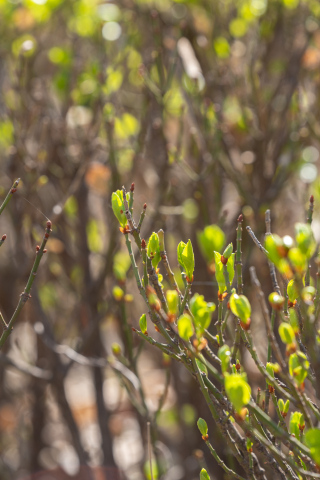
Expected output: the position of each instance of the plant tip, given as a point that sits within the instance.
(37, 248)
(145, 206)
(143, 243)
(132, 187)
(49, 224)
(240, 218)
(311, 198)
(3, 237)
(13, 190)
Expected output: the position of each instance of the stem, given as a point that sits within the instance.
(165, 262)
(185, 298)
(309, 221)
(25, 295)
(127, 330)
(220, 462)
(143, 214)
(269, 354)
(239, 256)
(9, 195)
(144, 261)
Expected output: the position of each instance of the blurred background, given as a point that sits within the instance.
(212, 109)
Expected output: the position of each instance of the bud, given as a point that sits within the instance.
(143, 324)
(117, 293)
(128, 298)
(116, 349)
(3, 237)
(203, 427)
(311, 198)
(173, 301)
(145, 206)
(45, 250)
(276, 301)
(240, 218)
(132, 187)
(13, 190)
(37, 248)
(227, 252)
(49, 224)
(143, 243)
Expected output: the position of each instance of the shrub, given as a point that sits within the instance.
(183, 321)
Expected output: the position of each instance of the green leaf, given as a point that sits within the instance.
(308, 294)
(202, 367)
(204, 475)
(312, 440)
(228, 251)
(240, 307)
(274, 244)
(201, 311)
(237, 390)
(286, 406)
(118, 207)
(203, 427)
(188, 260)
(298, 367)
(225, 355)
(210, 239)
(298, 259)
(294, 321)
(294, 423)
(276, 301)
(180, 249)
(305, 239)
(219, 272)
(286, 333)
(172, 301)
(292, 291)
(143, 323)
(281, 405)
(117, 293)
(153, 249)
(185, 327)
(270, 370)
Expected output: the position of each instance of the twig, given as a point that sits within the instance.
(12, 190)
(25, 295)
(150, 450)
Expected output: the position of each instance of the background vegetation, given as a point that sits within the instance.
(212, 109)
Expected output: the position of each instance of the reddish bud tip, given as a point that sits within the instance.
(240, 218)
(45, 250)
(132, 187)
(49, 224)
(37, 248)
(121, 211)
(133, 329)
(3, 237)
(224, 260)
(259, 389)
(13, 190)
(143, 243)
(311, 198)
(46, 235)
(145, 206)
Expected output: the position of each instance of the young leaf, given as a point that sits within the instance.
(203, 427)
(240, 306)
(298, 259)
(204, 475)
(153, 249)
(292, 291)
(173, 301)
(237, 390)
(281, 405)
(143, 323)
(201, 311)
(188, 260)
(286, 333)
(210, 239)
(118, 207)
(305, 239)
(276, 301)
(294, 321)
(228, 251)
(219, 272)
(312, 440)
(270, 370)
(295, 418)
(185, 327)
(224, 354)
(180, 249)
(201, 366)
(117, 293)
